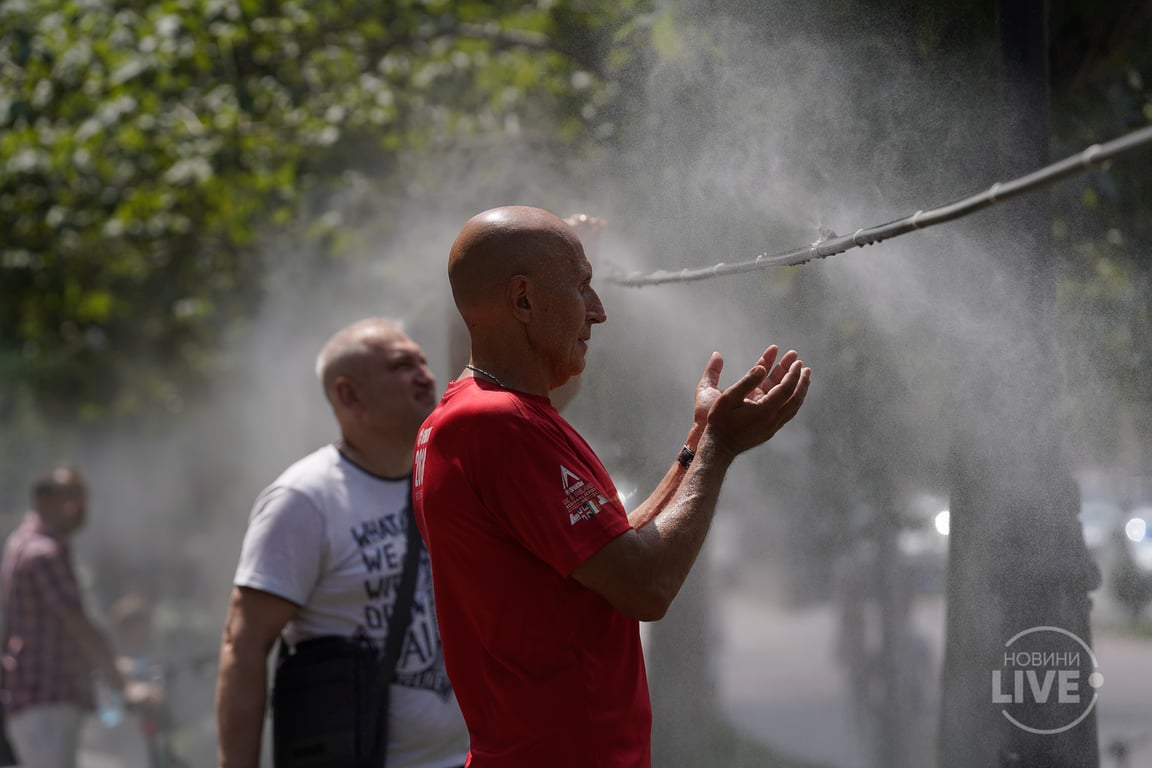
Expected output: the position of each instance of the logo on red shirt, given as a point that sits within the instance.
(582, 500)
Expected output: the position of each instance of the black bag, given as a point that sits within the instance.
(329, 702)
(330, 694)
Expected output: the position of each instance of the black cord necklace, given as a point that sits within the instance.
(474, 369)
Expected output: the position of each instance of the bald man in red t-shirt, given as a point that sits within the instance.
(541, 576)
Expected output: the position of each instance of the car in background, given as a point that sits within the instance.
(922, 540)
(1138, 536)
(1101, 519)
(926, 522)
(1129, 575)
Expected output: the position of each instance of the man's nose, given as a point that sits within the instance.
(595, 308)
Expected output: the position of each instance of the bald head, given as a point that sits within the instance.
(523, 285)
(499, 244)
(348, 353)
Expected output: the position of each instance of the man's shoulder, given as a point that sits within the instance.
(309, 473)
(327, 483)
(33, 544)
(37, 554)
(490, 409)
(302, 485)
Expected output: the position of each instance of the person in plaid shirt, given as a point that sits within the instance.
(51, 647)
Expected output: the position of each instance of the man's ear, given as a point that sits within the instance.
(516, 293)
(345, 392)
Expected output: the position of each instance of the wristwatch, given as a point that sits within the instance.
(686, 456)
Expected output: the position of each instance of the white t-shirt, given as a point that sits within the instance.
(331, 537)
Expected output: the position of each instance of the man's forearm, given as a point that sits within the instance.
(95, 647)
(641, 571)
(666, 491)
(241, 696)
(680, 527)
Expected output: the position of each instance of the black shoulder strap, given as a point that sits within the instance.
(401, 617)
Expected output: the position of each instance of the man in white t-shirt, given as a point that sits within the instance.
(324, 552)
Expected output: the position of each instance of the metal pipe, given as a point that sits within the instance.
(1097, 154)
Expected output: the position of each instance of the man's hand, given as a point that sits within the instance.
(144, 695)
(753, 409)
(707, 392)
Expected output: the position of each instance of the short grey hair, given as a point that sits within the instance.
(349, 341)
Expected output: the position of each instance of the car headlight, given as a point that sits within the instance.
(1136, 529)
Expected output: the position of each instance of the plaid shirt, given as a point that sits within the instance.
(42, 663)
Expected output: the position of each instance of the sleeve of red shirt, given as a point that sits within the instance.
(521, 480)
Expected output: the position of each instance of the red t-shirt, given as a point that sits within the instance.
(510, 499)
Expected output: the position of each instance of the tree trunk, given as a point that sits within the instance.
(1019, 573)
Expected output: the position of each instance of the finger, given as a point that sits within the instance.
(788, 358)
(782, 391)
(769, 357)
(741, 389)
(789, 410)
(802, 388)
(777, 372)
(776, 375)
(797, 395)
(712, 369)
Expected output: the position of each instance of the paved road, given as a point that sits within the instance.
(781, 684)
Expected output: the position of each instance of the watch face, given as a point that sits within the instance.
(686, 456)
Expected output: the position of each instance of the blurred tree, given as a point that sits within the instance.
(152, 156)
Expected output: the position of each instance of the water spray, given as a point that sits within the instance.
(830, 243)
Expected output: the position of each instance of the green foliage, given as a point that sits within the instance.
(155, 156)
(148, 151)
